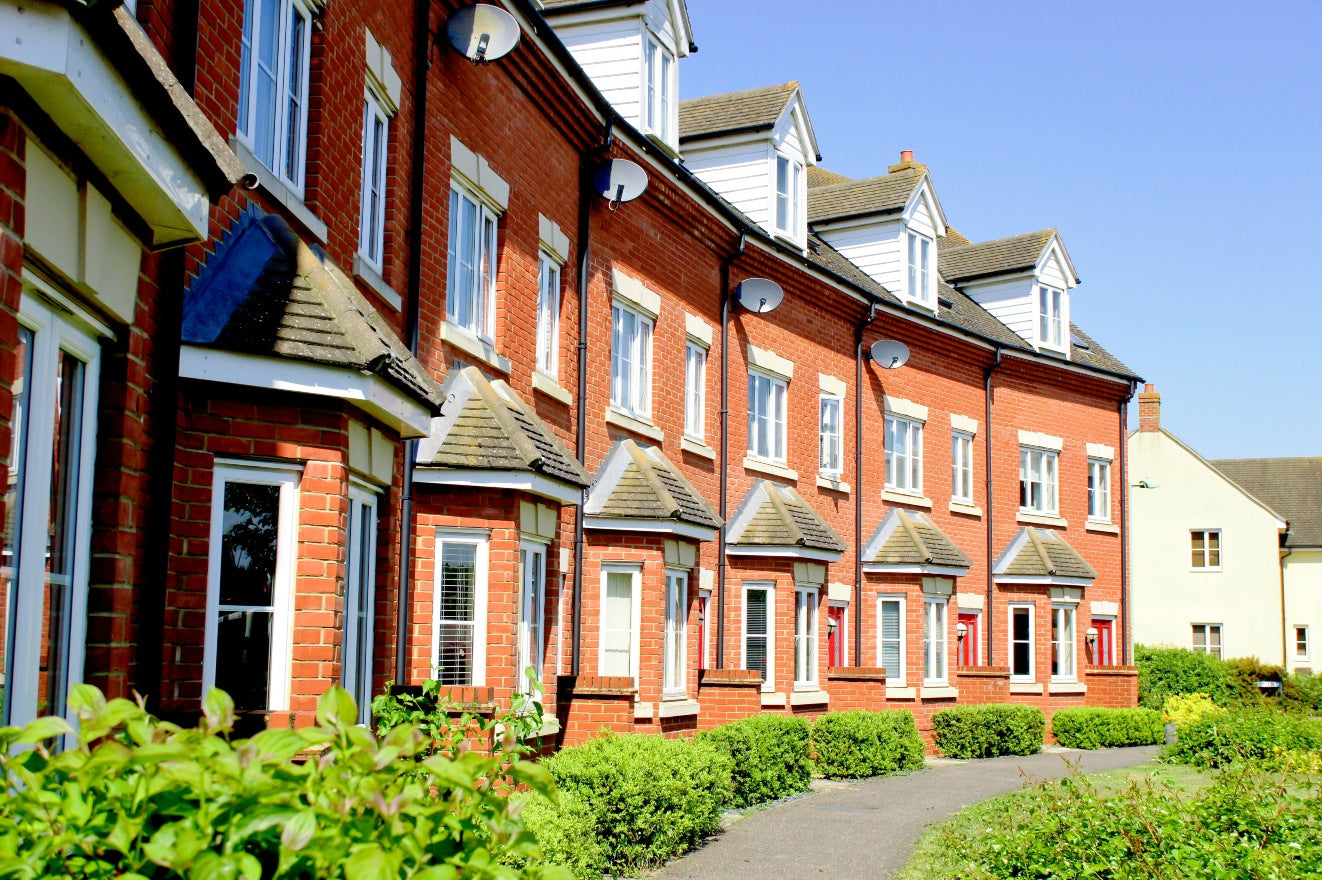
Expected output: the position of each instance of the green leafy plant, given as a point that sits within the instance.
(988, 731)
(140, 798)
(1251, 734)
(857, 744)
(1096, 728)
(1183, 710)
(769, 755)
(1165, 671)
(566, 831)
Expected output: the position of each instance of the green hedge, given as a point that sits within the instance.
(1089, 728)
(646, 798)
(770, 756)
(852, 745)
(1254, 734)
(1164, 672)
(566, 832)
(989, 731)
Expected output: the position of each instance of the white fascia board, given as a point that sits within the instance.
(933, 570)
(1056, 245)
(654, 526)
(1049, 581)
(61, 66)
(520, 481)
(782, 550)
(370, 393)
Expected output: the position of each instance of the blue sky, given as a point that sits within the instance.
(1177, 147)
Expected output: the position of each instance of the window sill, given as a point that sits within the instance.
(1206, 569)
(1026, 687)
(966, 509)
(280, 191)
(369, 276)
(466, 342)
(810, 698)
(634, 424)
(1064, 688)
(1042, 519)
(904, 498)
(666, 147)
(833, 484)
(900, 692)
(698, 448)
(1108, 528)
(551, 388)
(769, 468)
(550, 726)
(939, 692)
(642, 711)
(678, 707)
(772, 700)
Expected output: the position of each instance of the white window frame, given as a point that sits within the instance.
(1299, 629)
(769, 683)
(787, 177)
(901, 603)
(632, 333)
(1206, 550)
(285, 144)
(360, 593)
(480, 540)
(372, 196)
(477, 318)
(286, 478)
(54, 330)
(1206, 648)
(1046, 459)
(830, 445)
(1050, 317)
(660, 111)
(920, 257)
(1099, 490)
(806, 600)
(1031, 610)
(674, 666)
(936, 652)
(911, 460)
(768, 409)
(548, 315)
(961, 467)
(532, 613)
(635, 602)
(1064, 617)
(695, 390)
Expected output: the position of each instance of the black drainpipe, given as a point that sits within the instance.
(421, 66)
(1126, 629)
(858, 483)
(726, 295)
(586, 198)
(989, 618)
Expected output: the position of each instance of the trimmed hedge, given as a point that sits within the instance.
(1091, 728)
(770, 756)
(566, 831)
(853, 745)
(1164, 672)
(1255, 734)
(646, 798)
(989, 731)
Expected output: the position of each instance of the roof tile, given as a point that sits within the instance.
(1290, 486)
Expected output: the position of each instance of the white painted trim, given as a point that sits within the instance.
(551, 388)
(895, 497)
(697, 447)
(931, 600)
(525, 481)
(629, 422)
(1046, 581)
(1101, 451)
(652, 526)
(770, 468)
(966, 509)
(810, 698)
(681, 662)
(698, 330)
(370, 393)
(963, 424)
(932, 570)
(635, 570)
(783, 551)
(360, 496)
(481, 540)
(476, 346)
(1066, 688)
(1041, 519)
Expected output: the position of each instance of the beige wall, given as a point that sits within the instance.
(1169, 595)
(1303, 605)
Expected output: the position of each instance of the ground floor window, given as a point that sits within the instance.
(1062, 643)
(758, 633)
(675, 671)
(1103, 648)
(360, 599)
(459, 652)
(1021, 643)
(890, 638)
(1301, 643)
(1207, 638)
(619, 621)
(934, 640)
(805, 637)
(532, 615)
(970, 641)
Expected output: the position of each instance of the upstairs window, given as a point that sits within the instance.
(961, 467)
(658, 91)
(1038, 480)
(470, 304)
(695, 390)
(273, 85)
(1099, 490)
(904, 455)
(548, 316)
(631, 362)
(789, 179)
(921, 277)
(1206, 548)
(766, 417)
(831, 454)
(1050, 316)
(372, 222)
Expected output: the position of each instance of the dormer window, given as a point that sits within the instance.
(921, 277)
(1050, 315)
(789, 180)
(658, 91)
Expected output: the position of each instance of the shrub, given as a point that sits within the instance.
(853, 745)
(1183, 710)
(139, 797)
(1246, 672)
(1310, 691)
(769, 755)
(1165, 671)
(650, 798)
(1251, 734)
(989, 731)
(1091, 728)
(566, 832)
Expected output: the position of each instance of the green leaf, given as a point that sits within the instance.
(371, 862)
(218, 708)
(43, 729)
(85, 700)
(299, 830)
(336, 708)
(535, 776)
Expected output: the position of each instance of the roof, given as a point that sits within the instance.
(772, 515)
(1085, 350)
(886, 194)
(1290, 486)
(1018, 253)
(265, 292)
(552, 7)
(1042, 553)
(819, 176)
(733, 112)
(639, 482)
(911, 539)
(487, 426)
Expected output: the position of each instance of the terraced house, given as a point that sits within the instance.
(528, 376)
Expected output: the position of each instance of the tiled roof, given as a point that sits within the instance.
(747, 110)
(819, 176)
(486, 426)
(772, 515)
(1014, 254)
(912, 539)
(1042, 553)
(637, 482)
(874, 195)
(1093, 355)
(265, 292)
(954, 238)
(1290, 486)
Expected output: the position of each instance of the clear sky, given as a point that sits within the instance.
(1177, 147)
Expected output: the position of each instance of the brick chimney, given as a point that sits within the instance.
(1149, 409)
(906, 162)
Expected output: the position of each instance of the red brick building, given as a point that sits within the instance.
(415, 399)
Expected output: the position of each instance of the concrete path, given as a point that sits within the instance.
(867, 829)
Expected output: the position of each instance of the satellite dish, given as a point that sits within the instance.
(482, 33)
(620, 180)
(890, 354)
(759, 295)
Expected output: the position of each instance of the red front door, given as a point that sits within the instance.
(1103, 651)
(835, 635)
(968, 646)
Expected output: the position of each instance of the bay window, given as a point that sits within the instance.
(1062, 643)
(935, 640)
(1021, 643)
(460, 602)
(805, 638)
(759, 614)
(890, 638)
(360, 599)
(532, 615)
(675, 668)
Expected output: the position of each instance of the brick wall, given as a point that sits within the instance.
(591, 704)
(1112, 687)
(727, 695)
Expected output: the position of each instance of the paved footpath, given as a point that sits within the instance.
(867, 830)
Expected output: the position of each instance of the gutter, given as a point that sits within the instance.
(989, 620)
(726, 296)
(858, 483)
